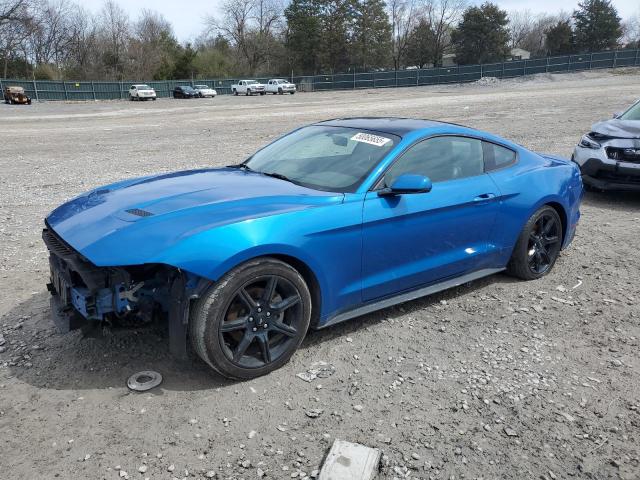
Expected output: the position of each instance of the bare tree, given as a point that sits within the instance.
(528, 30)
(403, 15)
(114, 34)
(13, 10)
(631, 31)
(15, 26)
(51, 32)
(443, 16)
(152, 39)
(83, 45)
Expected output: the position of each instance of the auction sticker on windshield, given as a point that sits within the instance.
(370, 139)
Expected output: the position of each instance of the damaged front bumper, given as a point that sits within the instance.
(82, 292)
(609, 163)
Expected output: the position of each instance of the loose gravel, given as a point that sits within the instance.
(495, 379)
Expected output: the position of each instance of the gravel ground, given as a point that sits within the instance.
(495, 379)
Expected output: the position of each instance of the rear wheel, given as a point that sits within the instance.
(251, 321)
(235, 92)
(538, 246)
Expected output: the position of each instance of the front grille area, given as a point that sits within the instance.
(56, 245)
(631, 155)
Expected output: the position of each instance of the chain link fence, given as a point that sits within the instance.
(84, 90)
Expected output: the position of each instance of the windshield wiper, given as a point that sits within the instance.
(279, 176)
(247, 168)
(242, 166)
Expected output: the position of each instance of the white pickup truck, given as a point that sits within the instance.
(280, 86)
(248, 87)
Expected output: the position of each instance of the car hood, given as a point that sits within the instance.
(618, 128)
(133, 221)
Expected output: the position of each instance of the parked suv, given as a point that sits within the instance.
(141, 92)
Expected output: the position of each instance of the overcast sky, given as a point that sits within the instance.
(187, 16)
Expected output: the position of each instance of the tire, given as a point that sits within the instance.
(131, 98)
(292, 93)
(251, 344)
(280, 92)
(538, 245)
(153, 98)
(263, 93)
(235, 92)
(248, 92)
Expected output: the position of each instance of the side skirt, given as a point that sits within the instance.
(408, 296)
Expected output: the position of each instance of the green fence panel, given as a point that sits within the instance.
(115, 90)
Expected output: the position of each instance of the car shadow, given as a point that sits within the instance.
(621, 201)
(81, 360)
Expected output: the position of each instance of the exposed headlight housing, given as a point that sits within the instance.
(588, 142)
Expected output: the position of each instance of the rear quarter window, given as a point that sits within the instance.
(497, 156)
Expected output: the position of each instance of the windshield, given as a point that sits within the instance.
(187, 89)
(251, 82)
(202, 87)
(335, 159)
(632, 114)
(143, 87)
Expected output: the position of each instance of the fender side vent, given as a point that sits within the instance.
(139, 213)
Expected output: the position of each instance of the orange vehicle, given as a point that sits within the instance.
(16, 95)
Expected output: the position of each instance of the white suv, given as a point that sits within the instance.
(141, 92)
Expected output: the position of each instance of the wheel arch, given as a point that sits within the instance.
(311, 273)
(562, 213)
(310, 279)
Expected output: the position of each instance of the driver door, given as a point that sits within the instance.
(411, 240)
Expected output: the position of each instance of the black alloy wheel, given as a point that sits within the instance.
(261, 321)
(538, 246)
(544, 243)
(250, 322)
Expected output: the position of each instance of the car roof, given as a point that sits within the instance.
(394, 125)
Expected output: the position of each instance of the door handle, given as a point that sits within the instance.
(485, 197)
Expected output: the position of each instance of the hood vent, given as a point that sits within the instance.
(139, 213)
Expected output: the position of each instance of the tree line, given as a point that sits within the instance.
(59, 39)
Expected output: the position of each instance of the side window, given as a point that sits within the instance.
(440, 159)
(133, 87)
(496, 157)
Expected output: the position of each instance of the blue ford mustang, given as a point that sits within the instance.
(329, 222)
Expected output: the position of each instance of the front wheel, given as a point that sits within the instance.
(538, 246)
(248, 93)
(251, 321)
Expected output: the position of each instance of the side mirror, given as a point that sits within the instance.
(406, 184)
(617, 115)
